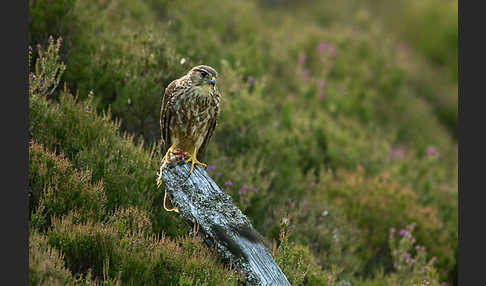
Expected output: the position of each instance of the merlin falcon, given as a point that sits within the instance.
(188, 117)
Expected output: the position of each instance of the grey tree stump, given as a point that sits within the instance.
(221, 224)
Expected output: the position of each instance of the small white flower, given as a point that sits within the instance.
(129, 101)
(325, 213)
(335, 237)
(183, 60)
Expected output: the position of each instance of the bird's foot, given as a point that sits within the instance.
(193, 160)
(159, 175)
(159, 180)
(168, 156)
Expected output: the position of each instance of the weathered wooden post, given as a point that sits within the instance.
(221, 224)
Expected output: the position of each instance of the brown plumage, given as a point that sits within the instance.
(189, 114)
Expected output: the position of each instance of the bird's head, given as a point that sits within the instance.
(203, 76)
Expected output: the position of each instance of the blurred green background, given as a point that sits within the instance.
(338, 115)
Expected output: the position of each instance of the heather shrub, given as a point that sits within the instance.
(324, 229)
(135, 257)
(436, 187)
(131, 219)
(130, 69)
(438, 41)
(377, 204)
(297, 262)
(394, 28)
(326, 107)
(411, 263)
(46, 263)
(45, 75)
(356, 76)
(406, 263)
(55, 188)
(92, 141)
(428, 27)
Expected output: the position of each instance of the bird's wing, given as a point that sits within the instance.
(209, 135)
(165, 116)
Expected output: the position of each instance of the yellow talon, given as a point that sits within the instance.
(193, 160)
(159, 178)
(166, 157)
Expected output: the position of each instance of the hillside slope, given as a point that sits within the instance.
(332, 118)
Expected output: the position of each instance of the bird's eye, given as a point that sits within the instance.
(204, 74)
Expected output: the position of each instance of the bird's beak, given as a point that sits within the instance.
(212, 81)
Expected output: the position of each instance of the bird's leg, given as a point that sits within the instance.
(166, 157)
(193, 160)
(165, 161)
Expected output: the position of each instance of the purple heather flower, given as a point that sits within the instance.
(243, 189)
(403, 232)
(228, 183)
(407, 257)
(250, 80)
(322, 47)
(322, 95)
(393, 230)
(432, 151)
(302, 58)
(51, 38)
(211, 168)
(396, 153)
(321, 84)
(443, 284)
(411, 226)
(253, 189)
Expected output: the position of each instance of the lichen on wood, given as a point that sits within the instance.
(220, 223)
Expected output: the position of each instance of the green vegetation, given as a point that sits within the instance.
(337, 119)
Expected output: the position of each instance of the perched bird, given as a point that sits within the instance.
(188, 117)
